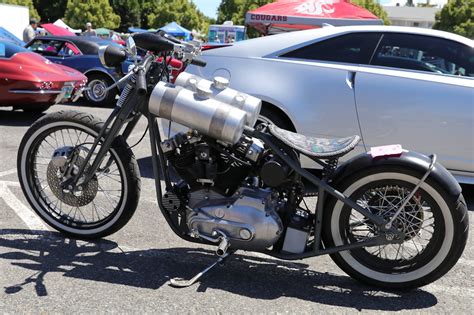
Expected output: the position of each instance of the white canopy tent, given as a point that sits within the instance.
(61, 23)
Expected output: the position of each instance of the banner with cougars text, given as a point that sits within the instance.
(285, 15)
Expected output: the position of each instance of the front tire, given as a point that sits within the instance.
(95, 209)
(435, 223)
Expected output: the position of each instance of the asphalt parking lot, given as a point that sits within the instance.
(128, 272)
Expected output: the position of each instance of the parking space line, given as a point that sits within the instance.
(24, 213)
(9, 172)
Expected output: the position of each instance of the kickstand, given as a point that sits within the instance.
(181, 283)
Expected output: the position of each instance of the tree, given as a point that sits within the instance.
(183, 12)
(129, 11)
(457, 16)
(50, 10)
(26, 3)
(426, 4)
(98, 12)
(235, 10)
(374, 7)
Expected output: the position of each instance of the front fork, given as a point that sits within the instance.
(126, 114)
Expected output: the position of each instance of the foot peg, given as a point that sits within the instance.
(221, 252)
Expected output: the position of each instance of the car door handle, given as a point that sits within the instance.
(350, 79)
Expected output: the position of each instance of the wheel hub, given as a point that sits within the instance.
(409, 221)
(97, 90)
(81, 195)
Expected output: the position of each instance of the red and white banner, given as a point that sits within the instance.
(303, 14)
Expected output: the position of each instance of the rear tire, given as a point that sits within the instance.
(103, 205)
(425, 260)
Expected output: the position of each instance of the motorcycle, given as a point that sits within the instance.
(391, 217)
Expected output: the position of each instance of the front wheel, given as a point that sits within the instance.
(93, 209)
(435, 224)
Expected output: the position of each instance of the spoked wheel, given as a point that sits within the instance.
(433, 221)
(52, 150)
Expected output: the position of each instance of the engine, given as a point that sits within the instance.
(222, 190)
(249, 217)
(203, 162)
(230, 185)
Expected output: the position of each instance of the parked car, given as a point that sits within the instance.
(33, 83)
(81, 53)
(402, 85)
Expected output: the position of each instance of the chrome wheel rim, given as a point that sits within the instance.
(109, 185)
(416, 221)
(98, 90)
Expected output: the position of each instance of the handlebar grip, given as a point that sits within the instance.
(169, 37)
(198, 62)
(141, 82)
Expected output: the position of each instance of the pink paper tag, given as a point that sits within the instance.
(386, 150)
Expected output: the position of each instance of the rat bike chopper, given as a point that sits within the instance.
(391, 217)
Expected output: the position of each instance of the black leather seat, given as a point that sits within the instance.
(315, 147)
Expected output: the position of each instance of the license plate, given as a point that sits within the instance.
(67, 90)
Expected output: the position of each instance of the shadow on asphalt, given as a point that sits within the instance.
(42, 252)
(146, 167)
(17, 118)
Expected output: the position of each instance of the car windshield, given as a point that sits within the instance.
(8, 49)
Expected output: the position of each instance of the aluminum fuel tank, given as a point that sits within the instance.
(221, 92)
(197, 110)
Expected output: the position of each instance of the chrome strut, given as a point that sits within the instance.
(413, 192)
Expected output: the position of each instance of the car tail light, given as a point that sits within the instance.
(46, 85)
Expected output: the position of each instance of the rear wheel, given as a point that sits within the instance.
(435, 224)
(93, 209)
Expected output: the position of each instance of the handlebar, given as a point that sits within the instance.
(141, 82)
(141, 72)
(198, 62)
(168, 37)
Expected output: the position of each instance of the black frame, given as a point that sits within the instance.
(136, 105)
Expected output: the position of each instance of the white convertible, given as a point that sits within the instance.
(390, 85)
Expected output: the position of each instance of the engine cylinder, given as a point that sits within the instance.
(198, 111)
(221, 92)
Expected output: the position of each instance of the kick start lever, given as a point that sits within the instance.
(221, 251)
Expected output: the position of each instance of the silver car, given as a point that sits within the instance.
(390, 85)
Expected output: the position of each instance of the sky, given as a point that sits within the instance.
(209, 7)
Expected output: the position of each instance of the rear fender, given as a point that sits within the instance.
(408, 159)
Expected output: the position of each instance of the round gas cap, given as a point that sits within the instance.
(240, 100)
(192, 83)
(221, 83)
(203, 90)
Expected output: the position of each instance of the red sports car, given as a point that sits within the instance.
(31, 82)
